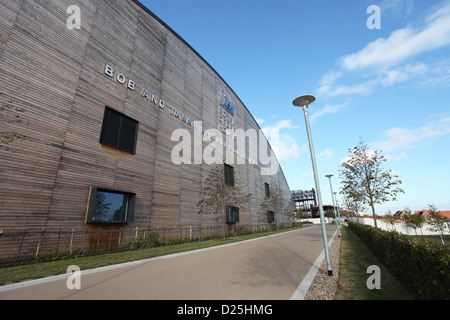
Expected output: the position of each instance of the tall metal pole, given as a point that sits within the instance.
(338, 210)
(319, 197)
(334, 206)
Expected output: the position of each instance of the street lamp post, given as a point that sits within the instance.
(303, 102)
(338, 210)
(334, 206)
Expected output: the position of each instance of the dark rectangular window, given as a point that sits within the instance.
(119, 131)
(110, 206)
(232, 214)
(267, 190)
(229, 175)
(270, 216)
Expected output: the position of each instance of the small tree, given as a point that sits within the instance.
(437, 222)
(290, 208)
(216, 195)
(364, 179)
(353, 204)
(329, 213)
(414, 221)
(278, 204)
(390, 220)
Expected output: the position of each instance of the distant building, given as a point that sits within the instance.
(306, 203)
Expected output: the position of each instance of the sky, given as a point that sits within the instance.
(381, 78)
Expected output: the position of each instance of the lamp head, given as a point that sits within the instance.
(304, 100)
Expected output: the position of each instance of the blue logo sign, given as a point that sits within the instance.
(226, 102)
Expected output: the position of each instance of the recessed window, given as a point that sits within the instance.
(110, 206)
(119, 131)
(229, 175)
(232, 214)
(270, 216)
(267, 189)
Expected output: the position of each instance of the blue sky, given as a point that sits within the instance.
(389, 86)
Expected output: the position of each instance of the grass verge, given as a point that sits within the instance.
(45, 269)
(355, 259)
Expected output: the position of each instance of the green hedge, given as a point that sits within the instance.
(422, 266)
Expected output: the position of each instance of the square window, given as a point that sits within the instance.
(119, 131)
(109, 206)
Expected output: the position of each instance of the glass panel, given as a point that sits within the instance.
(127, 139)
(119, 131)
(270, 216)
(110, 207)
(232, 214)
(110, 129)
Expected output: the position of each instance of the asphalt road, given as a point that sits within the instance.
(269, 268)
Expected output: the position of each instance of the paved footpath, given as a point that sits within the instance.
(269, 268)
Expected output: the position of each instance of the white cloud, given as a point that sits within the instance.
(325, 154)
(381, 78)
(280, 125)
(437, 74)
(388, 61)
(397, 7)
(403, 43)
(404, 138)
(390, 77)
(282, 143)
(286, 149)
(390, 157)
(260, 121)
(330, 78)
(344, 90)
(326, 110)
(369, 154)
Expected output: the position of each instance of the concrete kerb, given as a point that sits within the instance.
(302, 289)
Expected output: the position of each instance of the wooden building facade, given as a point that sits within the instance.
(100, 106)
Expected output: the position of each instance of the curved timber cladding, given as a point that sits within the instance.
(123, 59)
